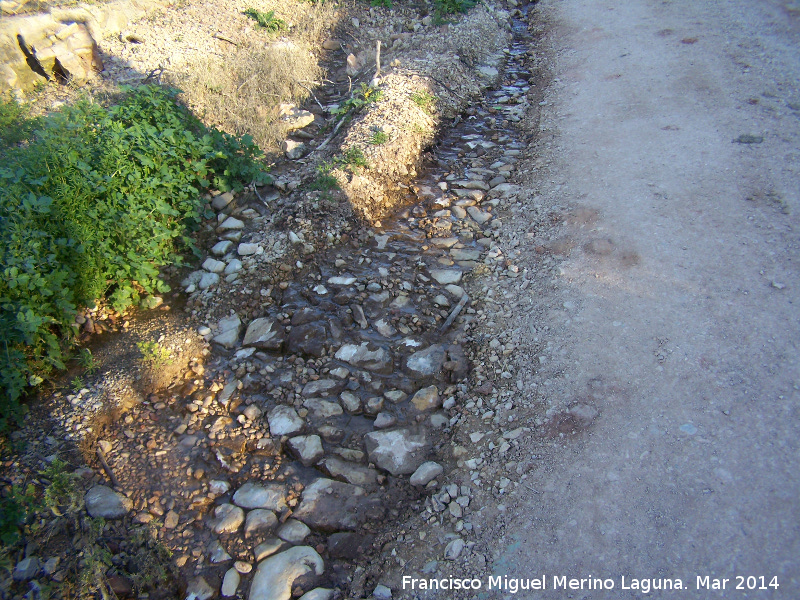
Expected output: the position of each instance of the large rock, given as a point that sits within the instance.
(103, 502)
(426, 363)
(398, 451)
(258, 521)
(293, 118)
(351, 472)
(275, 575)
(322, 387)
(271, 496)
(307, 448)
(329, 505)
(426, 399)
(227, 518)
(367, 356)
(264, 333)
(426, 473)
(308, 338)
(284, 420)
(228, 331)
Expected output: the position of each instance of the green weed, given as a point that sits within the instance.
(451, 7)
(352, 159)
(378, 137)
(15, 508)
(383, 3)
(86, 361)
(61, 495)
(91, 206)
(425, 100)
(360, 98)
(154, 354)
(266, 20)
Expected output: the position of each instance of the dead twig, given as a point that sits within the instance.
(312, 95)
(454, 313)
(102, 458)
(219, 36)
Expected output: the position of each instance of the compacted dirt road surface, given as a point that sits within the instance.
(670, 143)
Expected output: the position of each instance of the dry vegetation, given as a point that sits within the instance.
(240, 91)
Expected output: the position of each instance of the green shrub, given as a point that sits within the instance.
(451, 7)
(93, 203)
(266, 20)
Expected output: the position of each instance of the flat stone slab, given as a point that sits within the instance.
(329, 505)
(398, 451)
(275, 575)
(103, 502)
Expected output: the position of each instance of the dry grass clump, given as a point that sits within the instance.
(240, 93)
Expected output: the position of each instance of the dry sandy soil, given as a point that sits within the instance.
(668, 153)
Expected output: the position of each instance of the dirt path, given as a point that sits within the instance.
(676, 312)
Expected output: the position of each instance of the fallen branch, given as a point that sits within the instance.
(106, 468)
(454, 313)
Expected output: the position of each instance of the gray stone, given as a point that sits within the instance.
(308, 449)
(293, 149)
(384, 420)
(374, 405)
(446, 276)
(308, 338)
(465, 254)
(395, 396)
(283, 420)
(234, 266)
(479, 216)
(366, 356)
(27, 568)
(258, 521)
(454, 290)
(275, 575)
(342, 280)
(383, 327)
(351, 402)
(318, 594)
(248, 249)
(267, 548)
(321, 387)
(453, 550)
(398, 451)
(221, 201)
(264, 333)
(271, 496)
(351, 472)
(228, 331)
(212, 265)
(293, 118)
(198, 589)
(381, 592)
(231, 223)
(226, 393)
(230, 583)
(427, 472)
(323, 409)
(207, 280)
(329, 505)
(426, 399)
(103, 502)
(293, 531)
(217, 553)
(227, 518)
(426, 363)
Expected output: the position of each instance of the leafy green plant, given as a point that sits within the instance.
(425, 100)
(378, 137)
(443, 8)
(153, 353)
(86, 361)
(353, 158)
(91, 206)
(360, 98)
(383, 3)
(266, 20)
(14, 511)
(76, 384)
(61, 495)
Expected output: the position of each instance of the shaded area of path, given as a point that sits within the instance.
(675, 130)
